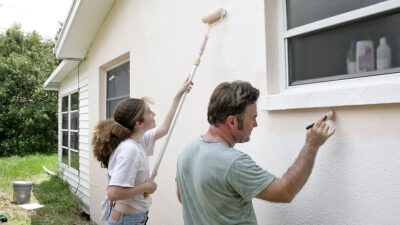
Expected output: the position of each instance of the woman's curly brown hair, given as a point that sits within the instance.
(109, 133)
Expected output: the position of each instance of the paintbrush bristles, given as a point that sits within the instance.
(330, 115)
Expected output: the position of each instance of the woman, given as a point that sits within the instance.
(122, 145)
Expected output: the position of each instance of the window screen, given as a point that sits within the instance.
(117, 87)
(323, 55)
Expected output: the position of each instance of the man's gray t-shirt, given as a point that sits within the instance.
(217, 184)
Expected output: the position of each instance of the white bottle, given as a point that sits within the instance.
(383, 55)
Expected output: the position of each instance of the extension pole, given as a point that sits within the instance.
(212, 19)
(178, 110)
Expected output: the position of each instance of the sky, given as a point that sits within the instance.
(40, 15)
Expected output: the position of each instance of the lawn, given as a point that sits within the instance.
(60, 205)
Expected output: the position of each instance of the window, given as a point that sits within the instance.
(117, 87)
(334, 40)
(316, 68)
(70, 130)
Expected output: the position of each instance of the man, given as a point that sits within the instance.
(216, 183)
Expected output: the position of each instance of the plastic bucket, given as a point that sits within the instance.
(22, 191)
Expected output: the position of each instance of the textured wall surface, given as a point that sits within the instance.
(355, 176)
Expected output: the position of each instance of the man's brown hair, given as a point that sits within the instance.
(230, 99)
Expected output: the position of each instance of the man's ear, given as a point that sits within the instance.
(231, 121)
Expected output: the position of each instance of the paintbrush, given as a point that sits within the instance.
(328, 116)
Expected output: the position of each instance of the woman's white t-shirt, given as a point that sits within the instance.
(129, 166)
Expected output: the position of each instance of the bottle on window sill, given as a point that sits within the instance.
(365, 56)
(383, 55)
(351, 58)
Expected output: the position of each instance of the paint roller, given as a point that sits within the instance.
(328, 116)
(211, 20)
(214, 17)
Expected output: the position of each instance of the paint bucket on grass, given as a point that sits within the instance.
(22, 191)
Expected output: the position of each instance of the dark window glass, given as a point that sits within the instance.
(75, 160)
(64, 121)
(74, 101)
(74, 140)
(111, 105)
(64, 104)
(64, 157)
(117, 87)
(301, 12)
(118, 81)
(65, 139)
(321, 56)
(74, 121)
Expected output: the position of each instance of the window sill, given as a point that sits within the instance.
(69, 169)
(359, 91)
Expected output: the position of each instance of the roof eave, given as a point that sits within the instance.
(81, 27)
(62, 70)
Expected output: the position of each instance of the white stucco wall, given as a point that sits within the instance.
(163, 39)
(354, 180)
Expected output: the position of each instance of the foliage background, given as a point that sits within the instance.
(28, 113)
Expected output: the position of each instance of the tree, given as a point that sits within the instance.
(28, 113)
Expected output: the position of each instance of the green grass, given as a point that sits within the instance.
(60, 205)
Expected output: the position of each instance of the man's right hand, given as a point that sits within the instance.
(285, 189)
(318, 134)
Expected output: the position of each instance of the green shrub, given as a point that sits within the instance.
(28, 113)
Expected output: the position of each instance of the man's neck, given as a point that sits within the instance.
(219, 134)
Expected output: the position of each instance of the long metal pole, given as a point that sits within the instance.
(171, 128)
(178, 110)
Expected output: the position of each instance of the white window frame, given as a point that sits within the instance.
(69, 130)
(377, 89)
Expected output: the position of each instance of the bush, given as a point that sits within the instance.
(28, 113)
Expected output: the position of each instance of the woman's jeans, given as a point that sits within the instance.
(118, 218)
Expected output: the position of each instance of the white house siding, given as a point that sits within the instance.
(79, 181)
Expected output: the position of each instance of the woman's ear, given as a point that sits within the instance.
(139, 124)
